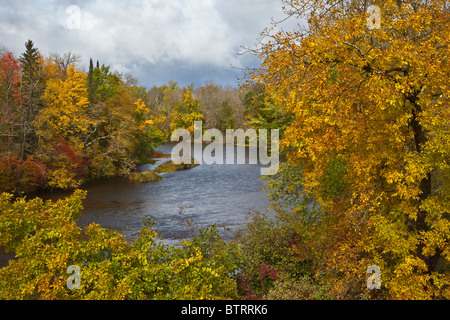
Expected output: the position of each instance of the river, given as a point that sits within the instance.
(209, 194)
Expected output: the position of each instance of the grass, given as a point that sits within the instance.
(151, 176)
(142, 177)
(158, 155)
(172, 167)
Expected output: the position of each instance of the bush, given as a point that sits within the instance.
(172, 167)
(46, 241)
(297, 289)
(146, 176)
(277, 256)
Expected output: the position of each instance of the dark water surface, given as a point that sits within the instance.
(209, 194)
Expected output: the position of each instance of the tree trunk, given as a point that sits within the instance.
(425, 186)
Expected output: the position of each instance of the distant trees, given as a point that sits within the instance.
(223, 107)
(218, 107)
(61, 126)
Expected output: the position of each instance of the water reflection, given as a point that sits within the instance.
(209, 194)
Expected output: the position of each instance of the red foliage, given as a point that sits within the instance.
(267, 270)
(17, 177)
(10, 76)
(249, 284)
(78, 163)
(245, 285)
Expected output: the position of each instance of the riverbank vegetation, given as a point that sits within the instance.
(170, 166)
(61, 126)
(146, 176)
(364, 115)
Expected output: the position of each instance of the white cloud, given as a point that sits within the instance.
(141, 36)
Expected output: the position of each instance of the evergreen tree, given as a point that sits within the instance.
(29, 61)
(32, 87)
(90, 84)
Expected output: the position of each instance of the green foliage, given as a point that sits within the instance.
(262, 113)
(46, 241)
(333, 181)
(30, 62)
(169, 166)
(277, 255)
(147, 176)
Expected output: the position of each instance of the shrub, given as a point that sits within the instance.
(146, 176)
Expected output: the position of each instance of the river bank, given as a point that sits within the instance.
(207, 195)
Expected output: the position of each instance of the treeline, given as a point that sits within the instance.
(366, 182)
(61, 126)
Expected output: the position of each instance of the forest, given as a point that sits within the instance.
(364, 119)
(62, 127)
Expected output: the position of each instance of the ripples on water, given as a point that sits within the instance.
(209, 194)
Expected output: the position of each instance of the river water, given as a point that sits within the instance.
(209, 194)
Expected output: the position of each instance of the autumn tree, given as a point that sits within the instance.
(186, 112)
(370, 133)
(119, 125)
(223, 107)
(62, 125)
(16, 173)
(10, 100)
(261, 112)
(163, 101)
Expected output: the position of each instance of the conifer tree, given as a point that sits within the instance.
(32, 88)
(90, 80)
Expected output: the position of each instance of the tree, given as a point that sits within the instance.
(222, 107)
(115, 137)
(62, 125)
(186, 112)
(163, 101)
(32, 89)
(65, 60)
(262, 113)
(90, 81)
(371, 112)
(10, 100)
(16, 174)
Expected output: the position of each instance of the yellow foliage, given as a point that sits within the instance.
(377, 101)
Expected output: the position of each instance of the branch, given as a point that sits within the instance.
(99, 138)
(353, 46)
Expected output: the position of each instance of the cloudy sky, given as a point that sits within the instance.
(189, 41)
